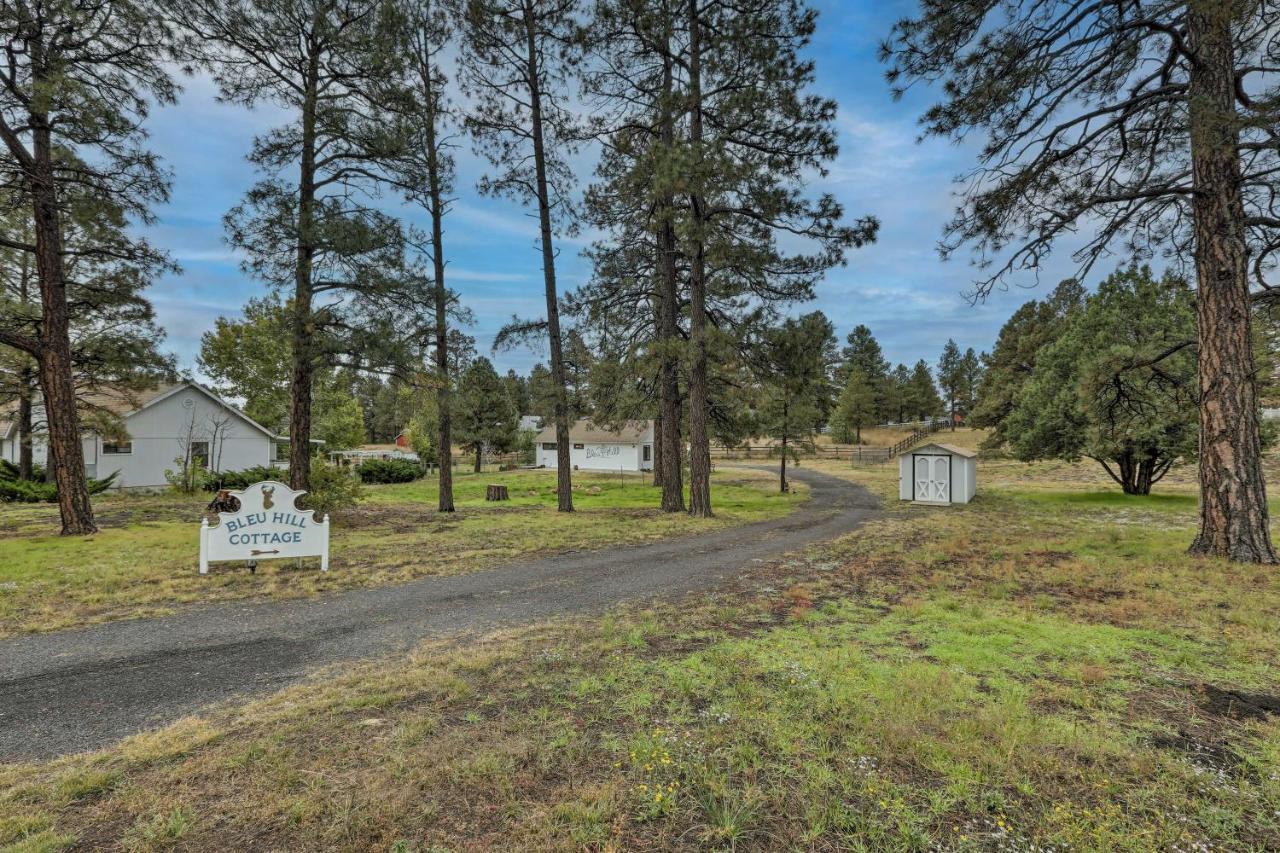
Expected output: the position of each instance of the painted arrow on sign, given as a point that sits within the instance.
(255, 552)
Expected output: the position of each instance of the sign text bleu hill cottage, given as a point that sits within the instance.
(267, 526)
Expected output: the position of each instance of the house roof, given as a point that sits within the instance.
(631, 432)
(949, 448)
(126, 402)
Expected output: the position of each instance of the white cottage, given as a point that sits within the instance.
(162, 425)
(593, 448)
(938, 474)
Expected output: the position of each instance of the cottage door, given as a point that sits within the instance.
(933, 479)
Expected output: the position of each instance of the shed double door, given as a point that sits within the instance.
(933, 479)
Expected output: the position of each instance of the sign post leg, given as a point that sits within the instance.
(204, 546)
(324, 554)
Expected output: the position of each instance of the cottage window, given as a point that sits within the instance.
(579, 446)
(648, 453)
(200, 454)
(548, 445)
(119, 448)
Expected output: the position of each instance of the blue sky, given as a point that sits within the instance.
(899, 287)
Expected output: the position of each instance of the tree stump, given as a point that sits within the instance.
(496, 493)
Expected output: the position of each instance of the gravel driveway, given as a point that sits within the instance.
(81, 689)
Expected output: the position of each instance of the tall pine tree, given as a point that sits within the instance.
(75, 90)
(515, 68)
(307, 228)
(1153, 124)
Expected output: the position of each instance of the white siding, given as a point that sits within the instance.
(964, 474)
(157, 432)
(602, 456)
(906, 486)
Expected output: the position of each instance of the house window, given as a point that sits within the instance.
(579, 446)
(200, 454)
(121, 448)
(548, 445)
(648, 453)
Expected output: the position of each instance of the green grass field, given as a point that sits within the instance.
(143, 562)
(1043, 669)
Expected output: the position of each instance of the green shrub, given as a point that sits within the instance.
(244, 479)
(188, 477)
(32, 492)
(332, 488)
(390, 471)
(9, 471)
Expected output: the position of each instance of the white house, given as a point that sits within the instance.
(938, 474)
(160, 426)
(593, 448)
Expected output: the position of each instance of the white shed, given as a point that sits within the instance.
(938, 474)
(594, 448)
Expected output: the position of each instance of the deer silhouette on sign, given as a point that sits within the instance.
(267, 501)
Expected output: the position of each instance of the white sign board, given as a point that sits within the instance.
(268, 526)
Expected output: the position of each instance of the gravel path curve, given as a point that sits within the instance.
(82, 689)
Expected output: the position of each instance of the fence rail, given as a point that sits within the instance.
(855, 453)
(858, 454)
(915, 438)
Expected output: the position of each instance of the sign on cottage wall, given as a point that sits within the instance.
(603, 451)
(268, 526)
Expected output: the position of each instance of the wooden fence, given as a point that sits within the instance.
(915, 438)
(858, 454)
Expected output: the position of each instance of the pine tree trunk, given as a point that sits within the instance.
(657, 443)
(1233, 501)
(669, 304)
(303, 368)
(26, 465)
(66, 454)
(782, 469)
(443, 389)
(699, 397)
(669, 378)
(564, 476)
(479, 457)
(1146, 472)
(26, 387)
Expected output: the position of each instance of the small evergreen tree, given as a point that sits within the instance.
(898, 396)
(338, 419)
(863, 352)
(951, 378)
(923, 401)
(795, 389)
(1021, 340)
(855, 409)
(486, 416)
(970, 375)
(1119, 385)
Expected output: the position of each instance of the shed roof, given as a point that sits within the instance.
(585, 431)
(946, 448)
